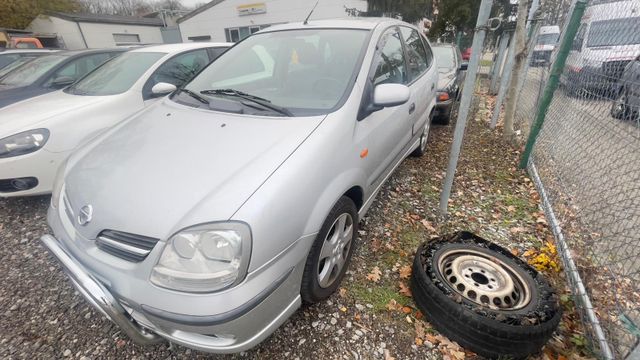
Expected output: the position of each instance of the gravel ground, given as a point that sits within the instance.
(372, 317)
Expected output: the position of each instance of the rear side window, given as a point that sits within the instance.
(417, 58)
(579, 39)
(79, 67)
(390, 65)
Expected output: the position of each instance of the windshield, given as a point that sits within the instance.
(303, 71)
(445, 57)
(625, 31)
(548, 39)
(30, 72)
(14, 65)
(117, 75)
(6, 59)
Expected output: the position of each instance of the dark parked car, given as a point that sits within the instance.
(626, 104)
(8, 57)
(451, 71)
(51, 72)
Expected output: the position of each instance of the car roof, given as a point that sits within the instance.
(88, 51)
(24, 51)
(170, 48)
(365, 23)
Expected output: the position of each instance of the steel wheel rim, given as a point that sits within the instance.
(335, 249)
(619, 106)
(483, 279)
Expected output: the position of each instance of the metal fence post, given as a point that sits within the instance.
(554, 79)
(504, 84)
(497, 63)
(465, 101)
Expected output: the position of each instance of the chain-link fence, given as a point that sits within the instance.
(586, 161)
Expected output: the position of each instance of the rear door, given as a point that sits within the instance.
(421, 81)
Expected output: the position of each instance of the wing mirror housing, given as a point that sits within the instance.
(390, 95)
(464, 66)
(163, 88)
(62, 81)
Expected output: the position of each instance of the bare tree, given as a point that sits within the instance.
(128, 7)
(520, 58)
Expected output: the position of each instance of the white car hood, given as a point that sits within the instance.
(173, 166)
(33, 113)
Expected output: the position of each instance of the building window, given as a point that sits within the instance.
(239, 33)
(125, 39)
(200, 38)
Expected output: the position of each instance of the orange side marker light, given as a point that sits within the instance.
(364, 153)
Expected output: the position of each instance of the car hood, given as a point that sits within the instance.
(174, 166)
(445, 78)
(34, 112)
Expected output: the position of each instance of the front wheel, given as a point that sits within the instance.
(330, 253)
(619, 107)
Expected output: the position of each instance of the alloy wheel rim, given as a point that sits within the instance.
(483, 279)
(335, 250)
(619, 108)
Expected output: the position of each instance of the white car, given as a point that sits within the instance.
(37, 135)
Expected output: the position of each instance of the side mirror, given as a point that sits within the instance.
(163, 88)
(389, 95)
(464, 66)
(62, 81)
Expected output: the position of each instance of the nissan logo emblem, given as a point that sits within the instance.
(85, 215)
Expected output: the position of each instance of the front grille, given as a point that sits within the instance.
(124, 245)
(614, 69)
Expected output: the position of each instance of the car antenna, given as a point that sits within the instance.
(306, 21)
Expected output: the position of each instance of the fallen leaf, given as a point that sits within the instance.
(374, 275)
(343, 309)
(405, 290)
(387, 355)
(393, 305)
(419, 341)
(405, 272)
(343, 292)
(406, 310)
(427, 225)
(515, 251)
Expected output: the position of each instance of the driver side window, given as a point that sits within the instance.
(391, 65)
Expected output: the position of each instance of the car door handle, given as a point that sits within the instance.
(412, 108)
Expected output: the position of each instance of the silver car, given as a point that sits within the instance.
(210, 217)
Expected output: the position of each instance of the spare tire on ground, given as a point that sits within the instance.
(483, 297)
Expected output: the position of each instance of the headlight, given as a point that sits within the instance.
(204, 258)
(23, 143)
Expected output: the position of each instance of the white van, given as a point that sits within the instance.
(545, 44)
(607, 40)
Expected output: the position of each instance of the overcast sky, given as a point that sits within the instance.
(192, 3)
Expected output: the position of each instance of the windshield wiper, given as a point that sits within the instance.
(193, 95)
(255, 99)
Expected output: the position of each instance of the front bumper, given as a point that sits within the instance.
(42, 165)
(249, 322)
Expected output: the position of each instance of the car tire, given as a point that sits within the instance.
(330, 253)
(619, 108)
(424, 139)
(515, 329)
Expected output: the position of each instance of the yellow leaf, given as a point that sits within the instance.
(405, 272)
(374, 275)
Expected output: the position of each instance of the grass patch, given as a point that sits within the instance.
(378, 295)
(486, 62)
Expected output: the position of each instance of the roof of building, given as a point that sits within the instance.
(106, 19)
(197, 11)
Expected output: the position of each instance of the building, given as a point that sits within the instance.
(234, 20)
(82, 31)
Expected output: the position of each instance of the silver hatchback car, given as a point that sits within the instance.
(209, 218)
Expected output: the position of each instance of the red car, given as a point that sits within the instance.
(466, 54)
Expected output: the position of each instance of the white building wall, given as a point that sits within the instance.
(101, 35)
(214, 20)
(96, 35)
(66, 30)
